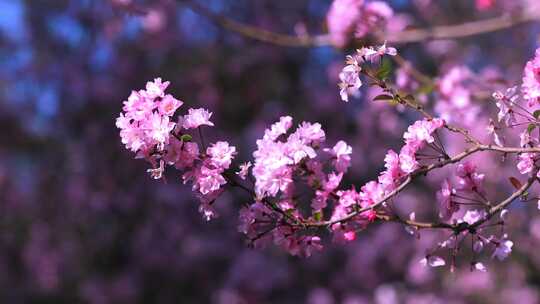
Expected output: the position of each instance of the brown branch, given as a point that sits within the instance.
(407, 36)
(466, 29)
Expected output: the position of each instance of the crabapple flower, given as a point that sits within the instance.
(143, 125)
(349, 77)
(407, 159)
(358, 17)
(156, 88)
(472, 216)
(480, 267)
(531, 80)
(341, 156)
(196, 118)
(525, 139)
(506, 102)
(321, 196)
(393, 172)
(468, 178)
(244, 170)
(146, 128)
(526, 163)
(350, 82)
(205, 179)
(169, 105)
(492, 129)
(503, 248)
(421, 132)
(374, 53)
(432, 261)
(376, 13)
(276, 160)
(342, 18)
(221, 154)
(447, 205)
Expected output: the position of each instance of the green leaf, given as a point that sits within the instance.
(383, 97)
(317, 216)
(531, 128)
(384, 70)
(186, 137)
(536, 114)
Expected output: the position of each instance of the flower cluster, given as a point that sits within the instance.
(346, 17)
(531, 80)
(296, 181)
(146, 121)
(350, 75)
(469, 182)
(397, 167)
(147, 128)
(280, 160)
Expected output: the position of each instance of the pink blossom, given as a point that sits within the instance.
(244, 170)
(181, 154)
(195, 118)
(531, 80)
(526, 163)
(156, 88)
(321, 196)
(503, 249)
(141, 128)
(421, 131)
(279, 128)
(350, 82)
(480, 267)
(375, 14)
(205, 179)
(433, 261)
(341, 19)
(308, 134)
(393, 171)
(348, 198)
(341, 152)
(310, 244)
(525, 139)
(506, 102)
(168, 105)
(157, 173)
(492, 129)
(275, 160)
(472, 216)
(221, 154)
(468, 178)
(372, 193)
(447, 205)
(407, 159)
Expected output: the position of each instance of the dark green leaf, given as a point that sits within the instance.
(383, 97)
(536, 114)
(531, 127)
(186, 137)
(384, 70)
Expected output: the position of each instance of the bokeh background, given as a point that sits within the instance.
(81, 221)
